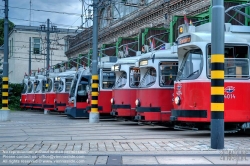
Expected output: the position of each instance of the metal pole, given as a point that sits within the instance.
(217, 75)
(5, 112)
(48, 44)
(29, 55)
(94, 114)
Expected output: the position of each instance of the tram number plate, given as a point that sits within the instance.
(229, 96)
(184, 39)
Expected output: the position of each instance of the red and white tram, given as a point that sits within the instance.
(124, 91)
(30, 93)
(24, 91)
(107, 81)
(50, 94)
(158, 71)
(78, 94)
(39, 91)
(192, 87)
(64, 81)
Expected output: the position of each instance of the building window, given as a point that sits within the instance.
(36, 46)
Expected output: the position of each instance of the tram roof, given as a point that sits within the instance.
(128, 60)
(233, 33)
(67, 74)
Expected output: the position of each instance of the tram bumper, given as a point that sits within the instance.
(76, 113)
(188, 114)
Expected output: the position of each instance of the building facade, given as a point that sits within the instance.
(128, 19)
(19, 49)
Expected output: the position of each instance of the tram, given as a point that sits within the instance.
(50, 95)
(24, 91)
(30, 93)
(154, 97)
(124, 91)
(192, 93)
(39, 91)
(63, 80)
(107, 81)
(78, 94)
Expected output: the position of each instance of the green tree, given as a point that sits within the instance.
(11, 25)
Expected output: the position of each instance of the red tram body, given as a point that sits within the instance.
(124, 91)
(30, 93)
(78, 94)
(64, 80)
(24, 92)
(50, 94)
(155, 92)
(39, 91)
(192, 88)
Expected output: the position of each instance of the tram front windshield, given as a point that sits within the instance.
(121, 82)
(73, 87)
(149, 78)
(36, 86)
(191, 66)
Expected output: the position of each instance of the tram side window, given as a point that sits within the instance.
(134, 77)
(108, 80)
(168, 73)
(60, 86)
(121, 81)
(236, 62)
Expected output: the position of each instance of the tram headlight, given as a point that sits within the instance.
(54, 100)
(20, 100)
(33, 100)
(112, 101)
(87, 101)
(44, 100)
(177, 100)
(137, 102)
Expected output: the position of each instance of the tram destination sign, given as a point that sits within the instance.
(184, 39)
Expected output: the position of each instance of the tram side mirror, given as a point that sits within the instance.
(153, 58)
(81, 93)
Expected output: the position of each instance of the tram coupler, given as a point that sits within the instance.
(76, 113)
(113, 113)
(173, 118)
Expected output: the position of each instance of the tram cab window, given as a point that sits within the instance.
(73, 88)
(56, 83)
(43, 86)
(30, 86)
(168, 73)
(191, 66)
(121, 81)
(49, 82)
(108, 80)
(25, 87)
(236, 62)
(149, 77)
(60, 86)
(82, 90)
(68, 82)
(36, 86)
(134, 77)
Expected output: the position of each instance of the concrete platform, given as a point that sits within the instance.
(34, 138)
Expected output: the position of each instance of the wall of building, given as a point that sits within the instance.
(19, 52)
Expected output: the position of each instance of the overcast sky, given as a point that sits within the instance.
(18, 16)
